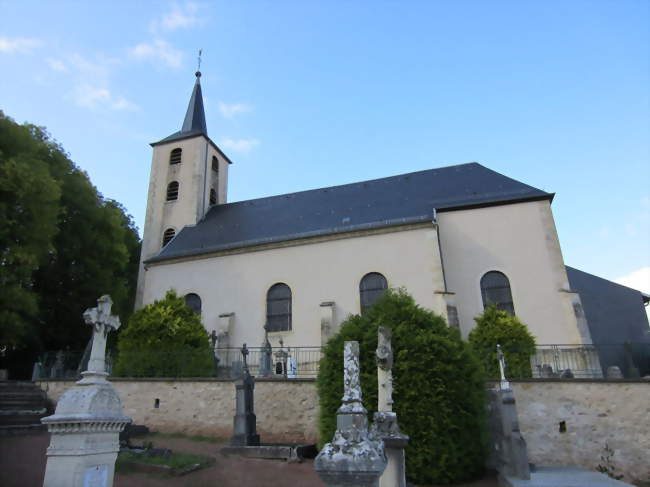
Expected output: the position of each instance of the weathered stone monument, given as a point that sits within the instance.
(385, 426)
(88, 419)
(245, 422)
(354, 457)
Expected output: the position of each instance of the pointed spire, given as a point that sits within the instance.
(195, 117)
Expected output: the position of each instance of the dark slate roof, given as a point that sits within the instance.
(615, 313)
(396, 200)
(194, 122)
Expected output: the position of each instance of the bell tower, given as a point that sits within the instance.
(189, 175)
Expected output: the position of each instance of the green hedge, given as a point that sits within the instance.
(518, 345)
(439, 392)
(164, 339)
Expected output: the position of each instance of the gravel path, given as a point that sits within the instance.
(22, 464)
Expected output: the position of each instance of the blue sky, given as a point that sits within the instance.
(308, 94)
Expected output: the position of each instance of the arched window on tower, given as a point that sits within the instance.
(175, 156)
(168, 235)
(495, 289)
(172, 191)
(371, 287)
(215, 164)
(278, 307)
(213, 197)
(194, 302)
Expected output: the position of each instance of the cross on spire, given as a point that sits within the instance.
(198, 70)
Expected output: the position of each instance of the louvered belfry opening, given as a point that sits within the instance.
(172, 191)
(213, 197)
(175, 156)
(168, 235)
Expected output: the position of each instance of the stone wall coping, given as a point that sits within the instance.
(187, 379)
(555, 380)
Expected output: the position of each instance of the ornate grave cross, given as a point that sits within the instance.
(505, 385)
(102, 321)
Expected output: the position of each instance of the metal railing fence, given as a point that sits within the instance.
(616, 361)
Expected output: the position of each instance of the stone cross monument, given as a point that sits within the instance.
(86, 425)
(504, 384)
(354, 457)
(385, 424)
(245, 422)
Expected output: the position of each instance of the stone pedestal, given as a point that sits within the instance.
(354, 457)
(85, 430)
(385, 427)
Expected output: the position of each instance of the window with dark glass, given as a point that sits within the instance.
(194, 302)
(175, 156)
(495, 289)
(172, 191)
(278, 308)
(372, 286)
(213, 197)
(168, 235)
(215, 164)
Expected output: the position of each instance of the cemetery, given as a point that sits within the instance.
(554, 431)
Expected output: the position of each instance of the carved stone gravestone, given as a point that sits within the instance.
(88, 419)
(385, 424)
(354, 457)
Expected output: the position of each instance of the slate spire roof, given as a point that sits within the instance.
(194, 122)
(396, 200)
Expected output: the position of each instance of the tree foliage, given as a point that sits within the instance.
(499, 327)
(62, 245)
(164, 339)
(438, 388)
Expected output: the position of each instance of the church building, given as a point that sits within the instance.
(456, 238)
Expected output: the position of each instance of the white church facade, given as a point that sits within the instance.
(454, 237)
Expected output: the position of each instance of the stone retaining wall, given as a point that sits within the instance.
(286, 410)
(594, 412)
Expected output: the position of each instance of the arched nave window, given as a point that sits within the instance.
(278, 307)
(371, 287)
(168, 235)
(172, 191)
(175, 156)
(495, 289)
(194, 302)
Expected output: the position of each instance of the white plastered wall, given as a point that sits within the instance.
(316, 272)
(521, 241)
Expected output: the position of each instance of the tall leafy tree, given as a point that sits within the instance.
(62, 244)
(29, 205)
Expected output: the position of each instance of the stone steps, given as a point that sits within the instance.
(22, 405)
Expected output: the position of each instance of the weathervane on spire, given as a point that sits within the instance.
(198, 70)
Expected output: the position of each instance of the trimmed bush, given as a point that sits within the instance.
(438, 387)
(518, 345)
(164, 339)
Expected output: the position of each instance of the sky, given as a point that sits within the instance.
(306, 94)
